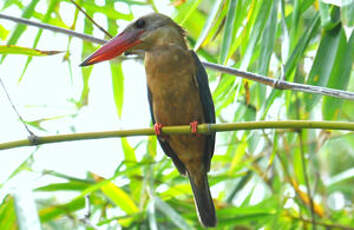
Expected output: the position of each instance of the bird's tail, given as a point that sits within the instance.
(203, 201)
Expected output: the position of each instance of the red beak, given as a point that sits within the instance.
(114, 47)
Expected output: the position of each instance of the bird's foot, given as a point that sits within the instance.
(194, 127)
(158, 126)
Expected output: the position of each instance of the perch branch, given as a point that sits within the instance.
(184, 129)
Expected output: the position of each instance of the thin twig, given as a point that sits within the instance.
(275, 83)
(307, 182)
(185, 129)
(31, 134)
(91, 19)
(45, 26)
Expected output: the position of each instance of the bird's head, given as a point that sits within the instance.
(144, 34)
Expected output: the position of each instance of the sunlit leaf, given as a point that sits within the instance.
(3, 33)
(7, 214)
(185, 10)
(227, 37)
(118, 196)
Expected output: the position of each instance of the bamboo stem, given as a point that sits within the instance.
(183, 129)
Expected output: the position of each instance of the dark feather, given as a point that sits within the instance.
(208, 107)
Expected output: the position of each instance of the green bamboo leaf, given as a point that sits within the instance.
(215, 11)
(12, 49)
(116, 68)
(68, 186)
(26, 165)
(347, 13)
(152, 146)
(257, 29)
(176, 190)
(250, 17)
(267, 46)
(20, 28)
(8, 220)
(53, 211)
(66, 177)
(8, 3)
(260, 213)
(51, 7)
(185, 10)
(238, 155)
(118, 86)
(301, 46)
(166, 209)
(341, 177)
(228, 31)
(268, 40)
(130, 160)
(3, 33)
(87, 49)
(116, 194)
(339, 77)
(323, 64)
(329, 16)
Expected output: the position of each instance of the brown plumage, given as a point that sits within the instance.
(178, 95)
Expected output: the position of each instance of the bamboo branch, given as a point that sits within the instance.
(183, 129)
(275, 83)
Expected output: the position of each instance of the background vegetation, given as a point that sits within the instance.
(270, 179)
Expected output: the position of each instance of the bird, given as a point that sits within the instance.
(178, 94)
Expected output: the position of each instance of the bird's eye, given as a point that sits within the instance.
(140, 23)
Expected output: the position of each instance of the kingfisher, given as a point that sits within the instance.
(178, 94)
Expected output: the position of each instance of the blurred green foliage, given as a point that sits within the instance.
(259, 174)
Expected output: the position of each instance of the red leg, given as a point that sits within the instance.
(157, 127)
(194, 127)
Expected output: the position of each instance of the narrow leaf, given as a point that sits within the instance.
(209, 23)
(340, 76)
(3, 33)
(185, 10)
(118, 196)
(323, 64)
(12, 49)
(227, 37)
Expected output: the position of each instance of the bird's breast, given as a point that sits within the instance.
(170, 78)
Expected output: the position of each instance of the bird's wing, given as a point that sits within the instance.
(208, 107)
(164, 143)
